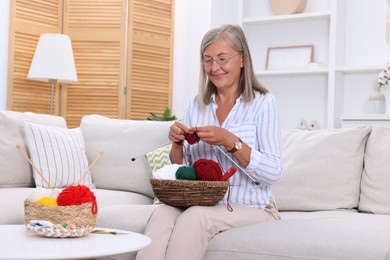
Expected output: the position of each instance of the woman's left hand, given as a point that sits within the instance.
(215, 135)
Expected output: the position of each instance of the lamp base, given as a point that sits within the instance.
(52, 97)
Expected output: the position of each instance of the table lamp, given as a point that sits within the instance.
(53, 61)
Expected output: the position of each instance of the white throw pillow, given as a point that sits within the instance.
(121, 140)
(321, 169)
(375, 187)
(15, 171)
(59, 155)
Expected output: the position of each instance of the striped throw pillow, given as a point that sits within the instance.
(58, 154)
(158, 158)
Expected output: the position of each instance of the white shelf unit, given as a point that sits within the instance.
(321, 94)
(365, 120)
(302, 72)
(287, 18)
(357, 83)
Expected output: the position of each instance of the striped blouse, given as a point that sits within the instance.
(257, 124)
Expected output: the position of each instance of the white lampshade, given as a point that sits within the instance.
(53, 59)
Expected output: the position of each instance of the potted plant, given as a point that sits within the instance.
(165, 117)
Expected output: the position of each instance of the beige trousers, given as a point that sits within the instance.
(178, 234)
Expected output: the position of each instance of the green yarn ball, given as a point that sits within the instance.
(186, 173)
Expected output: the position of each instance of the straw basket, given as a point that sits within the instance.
(185, 193)
(80, 215)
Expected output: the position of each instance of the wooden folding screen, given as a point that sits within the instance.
(28, 20)
(97, 30)
(150, 57)
(123, 54)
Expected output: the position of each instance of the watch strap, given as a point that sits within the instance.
(235, 148)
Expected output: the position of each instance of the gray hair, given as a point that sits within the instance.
(248, 81)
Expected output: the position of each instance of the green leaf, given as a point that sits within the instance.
(167, 113)
(165, 117)
(154, 117)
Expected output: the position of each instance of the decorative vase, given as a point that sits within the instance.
(283, 7)
(377, 103)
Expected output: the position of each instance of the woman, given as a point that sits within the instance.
(236, 113)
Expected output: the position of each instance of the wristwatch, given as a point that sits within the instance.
(237, 146)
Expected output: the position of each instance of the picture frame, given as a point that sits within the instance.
(289, 57)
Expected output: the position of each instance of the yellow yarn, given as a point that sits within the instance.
(47, 201)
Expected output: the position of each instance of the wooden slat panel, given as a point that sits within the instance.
(42, 13)
(150, 60)
(97, 30)
(96, 14)
(28, 20)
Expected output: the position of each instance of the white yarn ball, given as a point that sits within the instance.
(39, 193)
(55, 192)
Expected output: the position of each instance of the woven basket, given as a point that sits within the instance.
(80, 215)
(185, 193)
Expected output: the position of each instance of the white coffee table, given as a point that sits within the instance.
(17, 242)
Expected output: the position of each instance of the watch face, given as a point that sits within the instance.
(238, 145)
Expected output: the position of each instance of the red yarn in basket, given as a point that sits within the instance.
(77, 195)
(207, 170)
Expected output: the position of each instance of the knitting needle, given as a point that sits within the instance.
(35, 168)
(99, 231)
(90, 167)
(161, 145)
(247, 174)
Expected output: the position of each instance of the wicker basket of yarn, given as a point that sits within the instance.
(186, 193)
(80, 215)
(80, 209)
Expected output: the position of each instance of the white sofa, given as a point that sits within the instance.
(334, 195)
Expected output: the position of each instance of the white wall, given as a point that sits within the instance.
(365, 33)
(4, 25)
(192, 21)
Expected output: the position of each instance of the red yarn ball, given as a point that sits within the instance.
(77, 195)
(207, 170)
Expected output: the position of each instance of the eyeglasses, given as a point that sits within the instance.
(218, 60)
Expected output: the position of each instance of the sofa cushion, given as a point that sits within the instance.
(158, 158)
(12, 210)
(375, 186)
(59, 156)
(317, 235)
(322, 169)
(107, 198)
(130, 217)
(15, 171)
(121, 140)
(126, 217)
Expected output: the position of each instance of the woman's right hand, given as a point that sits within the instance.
(176, 135)
(177, 131)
